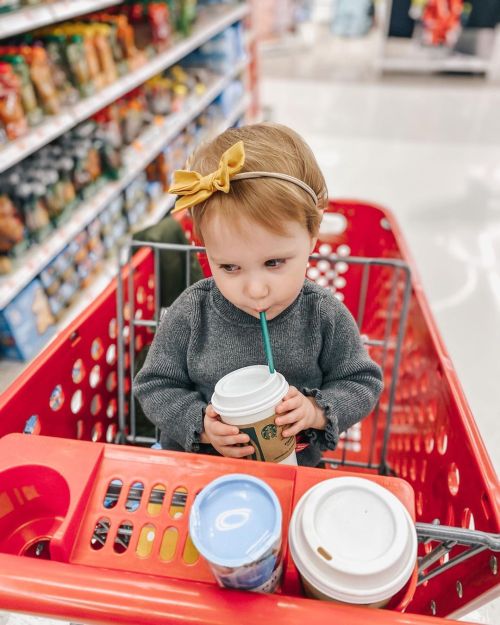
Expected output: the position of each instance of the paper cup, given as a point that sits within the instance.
(235, 523)
(247, 398)
(352, 541)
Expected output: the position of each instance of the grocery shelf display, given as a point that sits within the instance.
(66, 179)
(56, 125)
(26, 18)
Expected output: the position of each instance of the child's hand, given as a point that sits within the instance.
(300, 412)
(224, 438)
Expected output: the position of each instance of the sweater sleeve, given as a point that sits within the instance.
(352, 381)
(163, 386)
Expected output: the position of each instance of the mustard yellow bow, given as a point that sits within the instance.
(195, 188)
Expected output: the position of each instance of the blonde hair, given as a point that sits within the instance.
(269, 202)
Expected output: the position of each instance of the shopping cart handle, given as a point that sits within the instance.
(458, 535)
(94, 595)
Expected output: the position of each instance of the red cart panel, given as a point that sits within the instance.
(422, 430)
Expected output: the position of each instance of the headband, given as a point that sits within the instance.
(195, 188)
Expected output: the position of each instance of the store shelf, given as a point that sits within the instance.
(137, 157)
(34, 17)
(215, 20)
(10, 369)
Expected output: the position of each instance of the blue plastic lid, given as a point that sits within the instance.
(235, 520)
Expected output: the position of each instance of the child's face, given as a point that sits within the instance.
(255, 269)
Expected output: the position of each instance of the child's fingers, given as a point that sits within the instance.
(210, 412)
(236, 452)
(292, 392)
(217, 428)
(288, 405)
(293, 424)
(289, 417)
(293, 431)
(226, 441)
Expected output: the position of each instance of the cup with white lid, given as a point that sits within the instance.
(247, 398)
(352, 541)
(235, 523)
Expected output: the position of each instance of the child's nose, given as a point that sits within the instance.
(257, 289)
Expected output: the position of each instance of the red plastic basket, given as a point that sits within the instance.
(70, 390)
(54, 503)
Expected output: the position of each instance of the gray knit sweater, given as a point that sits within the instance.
(202, 337)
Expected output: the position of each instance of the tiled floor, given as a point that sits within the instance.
(428, 148)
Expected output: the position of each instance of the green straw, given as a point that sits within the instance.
(267, 342)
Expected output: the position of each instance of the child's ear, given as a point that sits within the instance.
(314, 240)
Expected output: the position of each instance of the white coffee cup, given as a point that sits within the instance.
(352, 541)
(247, 398)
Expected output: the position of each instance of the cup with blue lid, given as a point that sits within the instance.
(235, 523)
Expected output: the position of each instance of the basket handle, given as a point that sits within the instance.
(449, 537)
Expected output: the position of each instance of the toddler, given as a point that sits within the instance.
(256, 197)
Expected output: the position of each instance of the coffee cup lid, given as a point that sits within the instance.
(248, 391)
(235, 520)
(353, 540)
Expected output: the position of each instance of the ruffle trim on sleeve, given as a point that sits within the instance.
(193, 437)
(328, 438)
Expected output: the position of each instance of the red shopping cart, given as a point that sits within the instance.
(422, 430)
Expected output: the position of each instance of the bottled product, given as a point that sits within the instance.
(11, 231)
(11, 110)
(30, 200)
(48, 176)
(56, 51)
(151, 23)
(186, 16)
(79, 68)
(159, 95)
(41, 76)
(64, 166)
(102, 42)
(32, 111)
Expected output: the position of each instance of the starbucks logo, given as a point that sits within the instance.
(269, 431)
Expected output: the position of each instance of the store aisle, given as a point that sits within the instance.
(431, 153)
(429, 150)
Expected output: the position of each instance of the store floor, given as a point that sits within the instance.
(428, 148)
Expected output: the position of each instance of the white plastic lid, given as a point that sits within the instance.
(248, 391)
(353, 540)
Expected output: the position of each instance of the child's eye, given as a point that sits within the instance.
(229, 268)
(275, 262)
